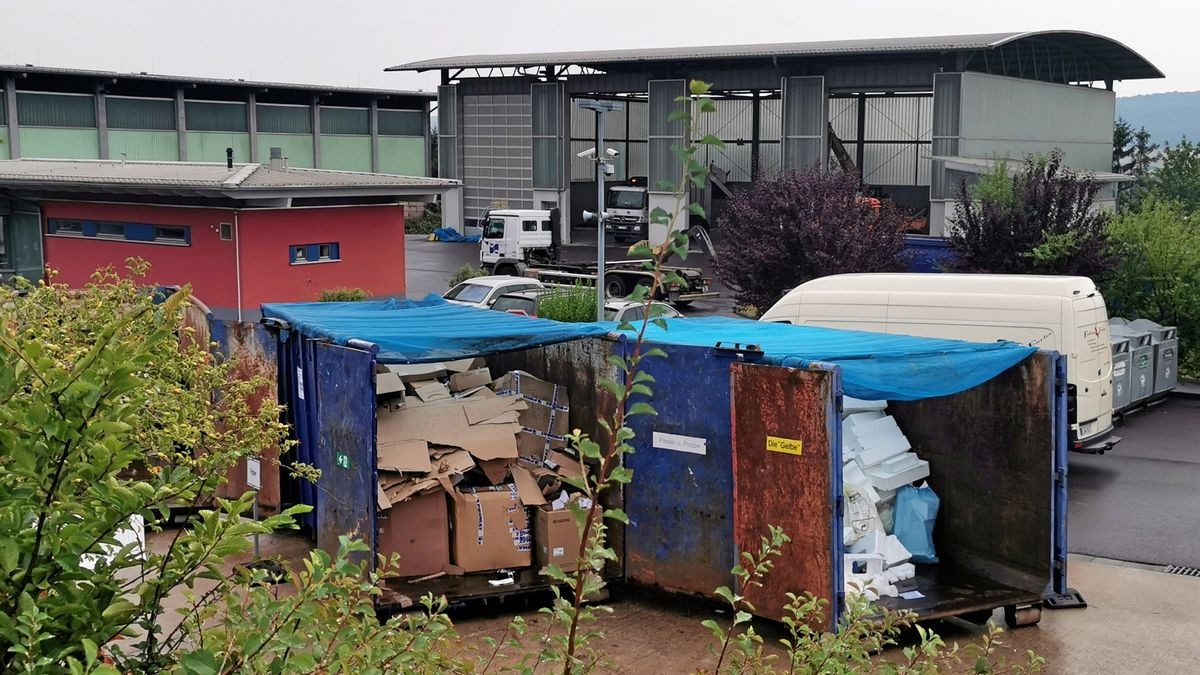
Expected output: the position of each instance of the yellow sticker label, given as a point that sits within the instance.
(789, 446)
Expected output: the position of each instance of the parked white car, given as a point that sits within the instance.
(483, 291)
(632, 310)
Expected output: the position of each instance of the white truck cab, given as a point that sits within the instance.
(1065, 314)
(628, 215)
(515, 237)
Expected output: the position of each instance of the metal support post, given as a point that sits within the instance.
(600, 215)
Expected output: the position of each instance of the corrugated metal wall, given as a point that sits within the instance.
(346, 153)
(297, 148)
(56, 110)
(215, 116)
(209, 146)
(139, 113)
(283, 119)
(143, 145)
(497, 152)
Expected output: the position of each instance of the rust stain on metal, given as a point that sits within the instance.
(790, 490)
(249, 349)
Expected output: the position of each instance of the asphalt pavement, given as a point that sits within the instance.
(1141, 501)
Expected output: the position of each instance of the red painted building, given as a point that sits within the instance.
(240, 235)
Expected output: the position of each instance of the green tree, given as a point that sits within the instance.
(1159, 274)
(1122, 138)
(1178, 179)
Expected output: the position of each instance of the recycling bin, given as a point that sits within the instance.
(1166, 353)
(1121, 372)
(1141, 361)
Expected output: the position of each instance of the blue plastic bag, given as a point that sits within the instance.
(916, 512)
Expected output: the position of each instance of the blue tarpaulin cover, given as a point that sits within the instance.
(447, 234)
(874, 365)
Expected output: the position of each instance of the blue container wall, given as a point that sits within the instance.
(927, 254)
(680, 504)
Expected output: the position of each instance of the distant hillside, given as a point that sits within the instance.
(1168, 116)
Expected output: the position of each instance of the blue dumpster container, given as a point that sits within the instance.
(747, 434)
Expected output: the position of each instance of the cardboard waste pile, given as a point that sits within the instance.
(879, 463)
(470, 470)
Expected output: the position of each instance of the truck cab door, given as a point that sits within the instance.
(494, 243)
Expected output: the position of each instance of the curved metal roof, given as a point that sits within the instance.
(1117, 61)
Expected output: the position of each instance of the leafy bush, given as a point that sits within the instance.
(1043, 220)
(1159, 274)
(574, 305)
(787, 229)
(340, 294)
(112, 416)
(463, 273)
(425, 223)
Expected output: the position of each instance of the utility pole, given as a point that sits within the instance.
(603, 167)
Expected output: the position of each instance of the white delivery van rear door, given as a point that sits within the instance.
(1091, 367)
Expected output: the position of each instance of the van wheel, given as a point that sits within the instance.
(614, 287)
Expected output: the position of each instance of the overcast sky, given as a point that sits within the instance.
(349, 42)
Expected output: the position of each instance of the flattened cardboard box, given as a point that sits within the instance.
(470, 379)
(418, 529)
(556, 537)
(490, 529)
(545, 423)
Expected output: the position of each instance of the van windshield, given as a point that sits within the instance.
(626, 199)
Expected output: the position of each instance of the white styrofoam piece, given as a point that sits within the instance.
(851, 405)
(869, 543)
(856, 419)
(872, 566)
(893, 551)
(889, 480)
(878, 441)
(900, 572)
(886, 589)
(899, 462)
(886, 496)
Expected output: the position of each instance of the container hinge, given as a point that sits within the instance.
(1060, 475)
(839, 506)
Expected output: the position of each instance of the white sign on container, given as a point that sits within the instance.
(300, 382)
(678, 443)
(254, 473)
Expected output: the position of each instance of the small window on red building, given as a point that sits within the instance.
(226, 231)
(302, 254)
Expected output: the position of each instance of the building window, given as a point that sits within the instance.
(307, 254)
(226, 231)
(178, 235)
(110, 230)
(65, 227)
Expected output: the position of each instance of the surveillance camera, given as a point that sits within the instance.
(613, 153)
(608, 169)
(590, 153)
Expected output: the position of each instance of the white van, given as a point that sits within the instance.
(1065, 314)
